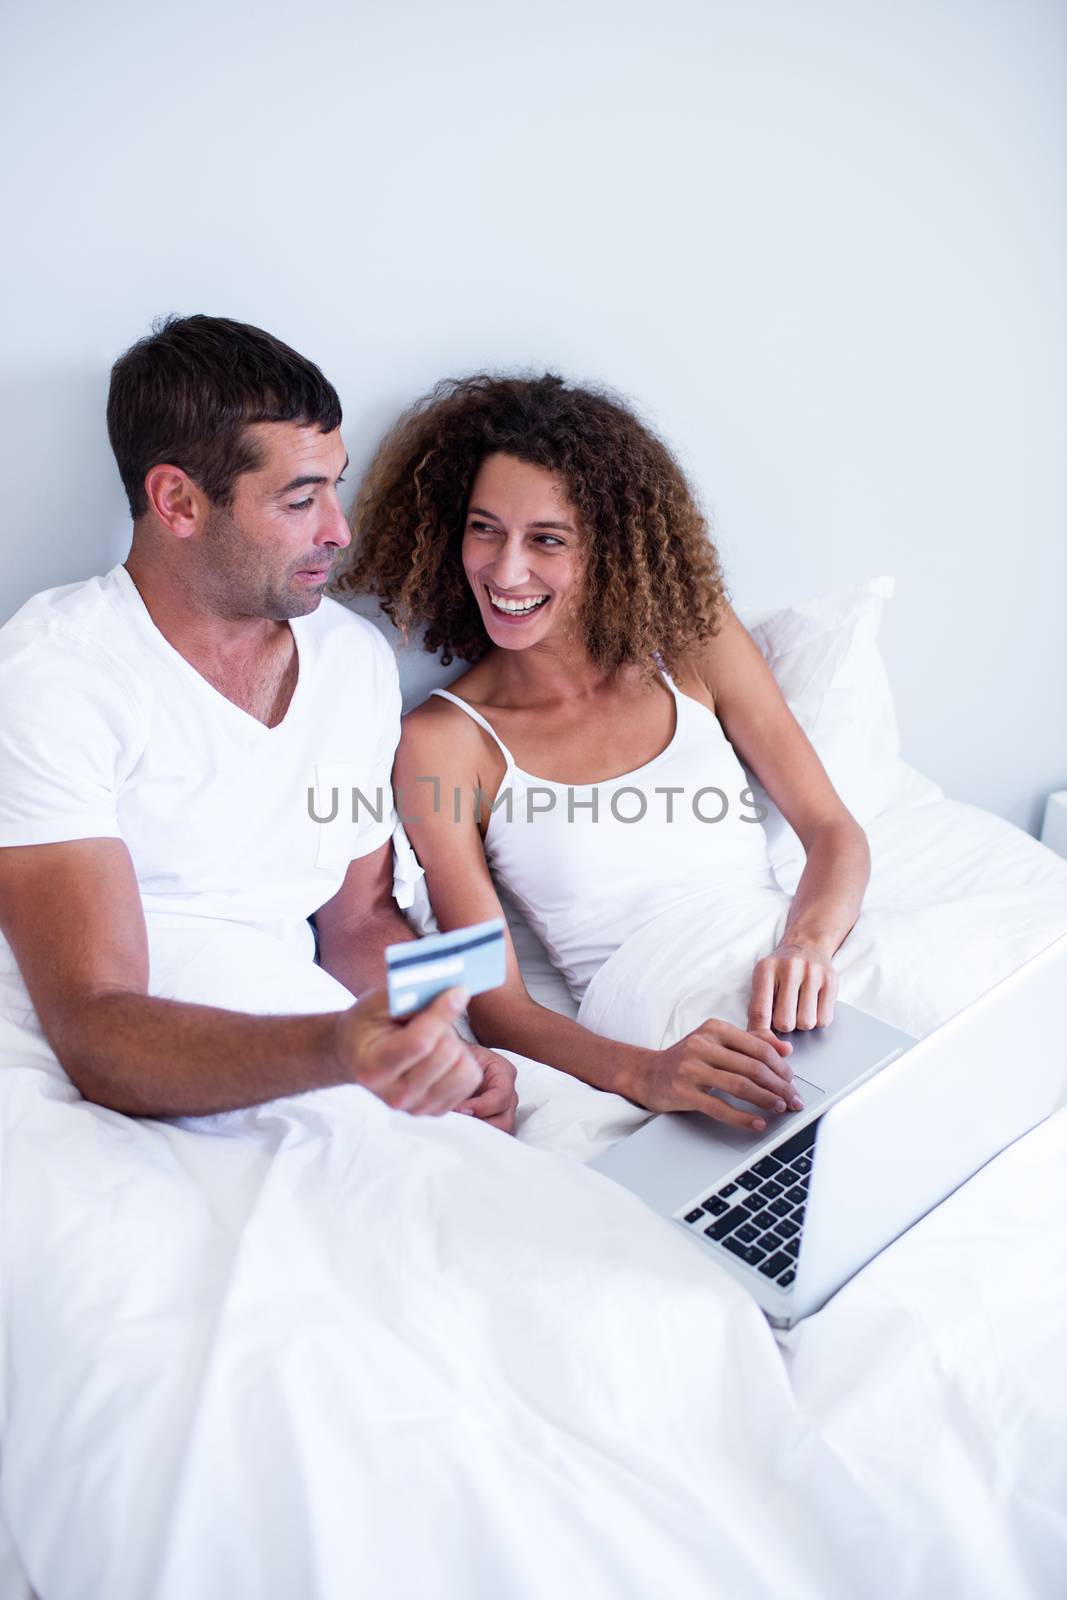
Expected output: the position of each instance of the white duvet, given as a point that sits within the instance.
(319, 1349)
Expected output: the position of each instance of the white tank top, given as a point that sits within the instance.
(588, 864)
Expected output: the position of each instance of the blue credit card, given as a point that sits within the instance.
(467, 958)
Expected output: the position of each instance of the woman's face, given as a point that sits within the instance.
(522, 552)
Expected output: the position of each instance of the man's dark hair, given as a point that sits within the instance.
(186, 393)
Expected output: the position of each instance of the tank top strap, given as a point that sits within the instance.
(476, 716)
(665, 675)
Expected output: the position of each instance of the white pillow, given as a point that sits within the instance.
(824, 656)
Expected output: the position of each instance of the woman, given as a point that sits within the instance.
(587, 763)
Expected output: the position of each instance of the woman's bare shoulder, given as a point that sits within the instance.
(439, 728)
(708, 668)
(434, 720)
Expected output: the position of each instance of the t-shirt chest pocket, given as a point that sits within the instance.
(341, 807)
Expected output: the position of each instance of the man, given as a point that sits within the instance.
(163, 730)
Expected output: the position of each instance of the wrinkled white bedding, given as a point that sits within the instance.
(319, 1349)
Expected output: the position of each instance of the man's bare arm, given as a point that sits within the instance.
(361, 919)
(72, 915)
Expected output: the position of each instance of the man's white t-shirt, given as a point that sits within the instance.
(106, 731)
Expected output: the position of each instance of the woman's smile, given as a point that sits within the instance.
(512, 608)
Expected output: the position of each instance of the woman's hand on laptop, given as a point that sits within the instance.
(496, 1101)
(418, 1064)
(719, 1057)
(794, 987)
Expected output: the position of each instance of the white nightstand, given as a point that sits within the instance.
(1054, 830)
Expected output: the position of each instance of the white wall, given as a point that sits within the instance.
(823, 245)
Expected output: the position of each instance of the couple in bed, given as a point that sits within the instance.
(160, 727)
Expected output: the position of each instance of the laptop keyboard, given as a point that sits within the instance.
(759, 1216)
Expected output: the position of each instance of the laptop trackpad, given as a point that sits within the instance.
(677, 1159)
(779, 1124)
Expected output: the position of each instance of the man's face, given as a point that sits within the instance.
(270, 552)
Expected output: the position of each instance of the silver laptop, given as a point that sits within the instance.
(890, 1126)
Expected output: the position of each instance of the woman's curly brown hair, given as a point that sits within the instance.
(652, 575)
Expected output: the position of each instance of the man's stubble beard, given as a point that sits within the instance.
(239, 583)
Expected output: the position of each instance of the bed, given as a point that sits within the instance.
(318, 1348)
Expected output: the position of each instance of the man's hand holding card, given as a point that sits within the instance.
(471, 959)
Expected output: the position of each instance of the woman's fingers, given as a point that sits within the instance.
(505, 1121)
(766, 1048)
(786, 990)
(827, 996)
(808, 997)
(773, 1088)
(775, 1082)
(496, 1101)
(719, 1111)
(745, 1088)
(789, 990)
(728, 1060)
(750, 1080)
(493, 1096)
(761, 1004)
(782, 1047)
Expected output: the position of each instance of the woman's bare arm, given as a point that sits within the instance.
(443, 755)
(796, 985)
